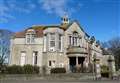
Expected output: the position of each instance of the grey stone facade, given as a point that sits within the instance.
(66, 45)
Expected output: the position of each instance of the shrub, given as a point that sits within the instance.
(3, 69)
(58, 70)
(104, 71)
(36, 69)
(26, 69)
(14, 69)
(29, 69)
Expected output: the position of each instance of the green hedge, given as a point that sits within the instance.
(26, 69)
(14, 69)
(58, 70)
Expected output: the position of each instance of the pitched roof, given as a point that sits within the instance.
(19, 34)
(39, 29)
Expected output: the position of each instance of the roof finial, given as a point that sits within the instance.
(65, 19)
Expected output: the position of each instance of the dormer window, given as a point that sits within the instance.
(30, 36)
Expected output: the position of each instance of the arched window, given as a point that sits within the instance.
(73, 39)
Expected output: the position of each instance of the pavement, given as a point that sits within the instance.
(71, 78)
(58, 81)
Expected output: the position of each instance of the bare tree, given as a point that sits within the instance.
(113, 46)
(4, 47)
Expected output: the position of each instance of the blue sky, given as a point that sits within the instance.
(100, 18)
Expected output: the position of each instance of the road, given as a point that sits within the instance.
(57, 81)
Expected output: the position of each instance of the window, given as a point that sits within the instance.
(50, 64)
(52, 42)
(52, 36)
(45, 42)
(35, 54)
(32, 38)
(22, 58)
(28, 38)
(60, 41)
(70, 43)
(75, 39)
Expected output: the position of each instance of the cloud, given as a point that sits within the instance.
(8, 6)
(59, 7)
(55, 7)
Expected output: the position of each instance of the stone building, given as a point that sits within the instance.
(66, 45)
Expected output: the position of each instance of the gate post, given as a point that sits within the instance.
(112, 69)
(97, 68)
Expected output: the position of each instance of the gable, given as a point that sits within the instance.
(75, 27)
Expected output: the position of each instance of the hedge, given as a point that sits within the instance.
(58, 70)
(26, 69)
(14, 69)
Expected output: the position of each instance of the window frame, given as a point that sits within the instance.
(52, 42)
(22, 58)
(35, 57)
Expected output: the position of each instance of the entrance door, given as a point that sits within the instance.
(74, 66)
(80, 62)
(72, 63)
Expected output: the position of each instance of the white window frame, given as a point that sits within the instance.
(23, 58)
(52, 63)
(35, 57)
(60, 42)
(75, 39)
(52, 40)
(30, 37)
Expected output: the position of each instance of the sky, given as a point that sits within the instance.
(99, 18)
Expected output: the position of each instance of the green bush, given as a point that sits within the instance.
(29, 69)
(58, 70)
(104, 71)
(36, 69)
(14, 69)
(3, 69)
(26, 69)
